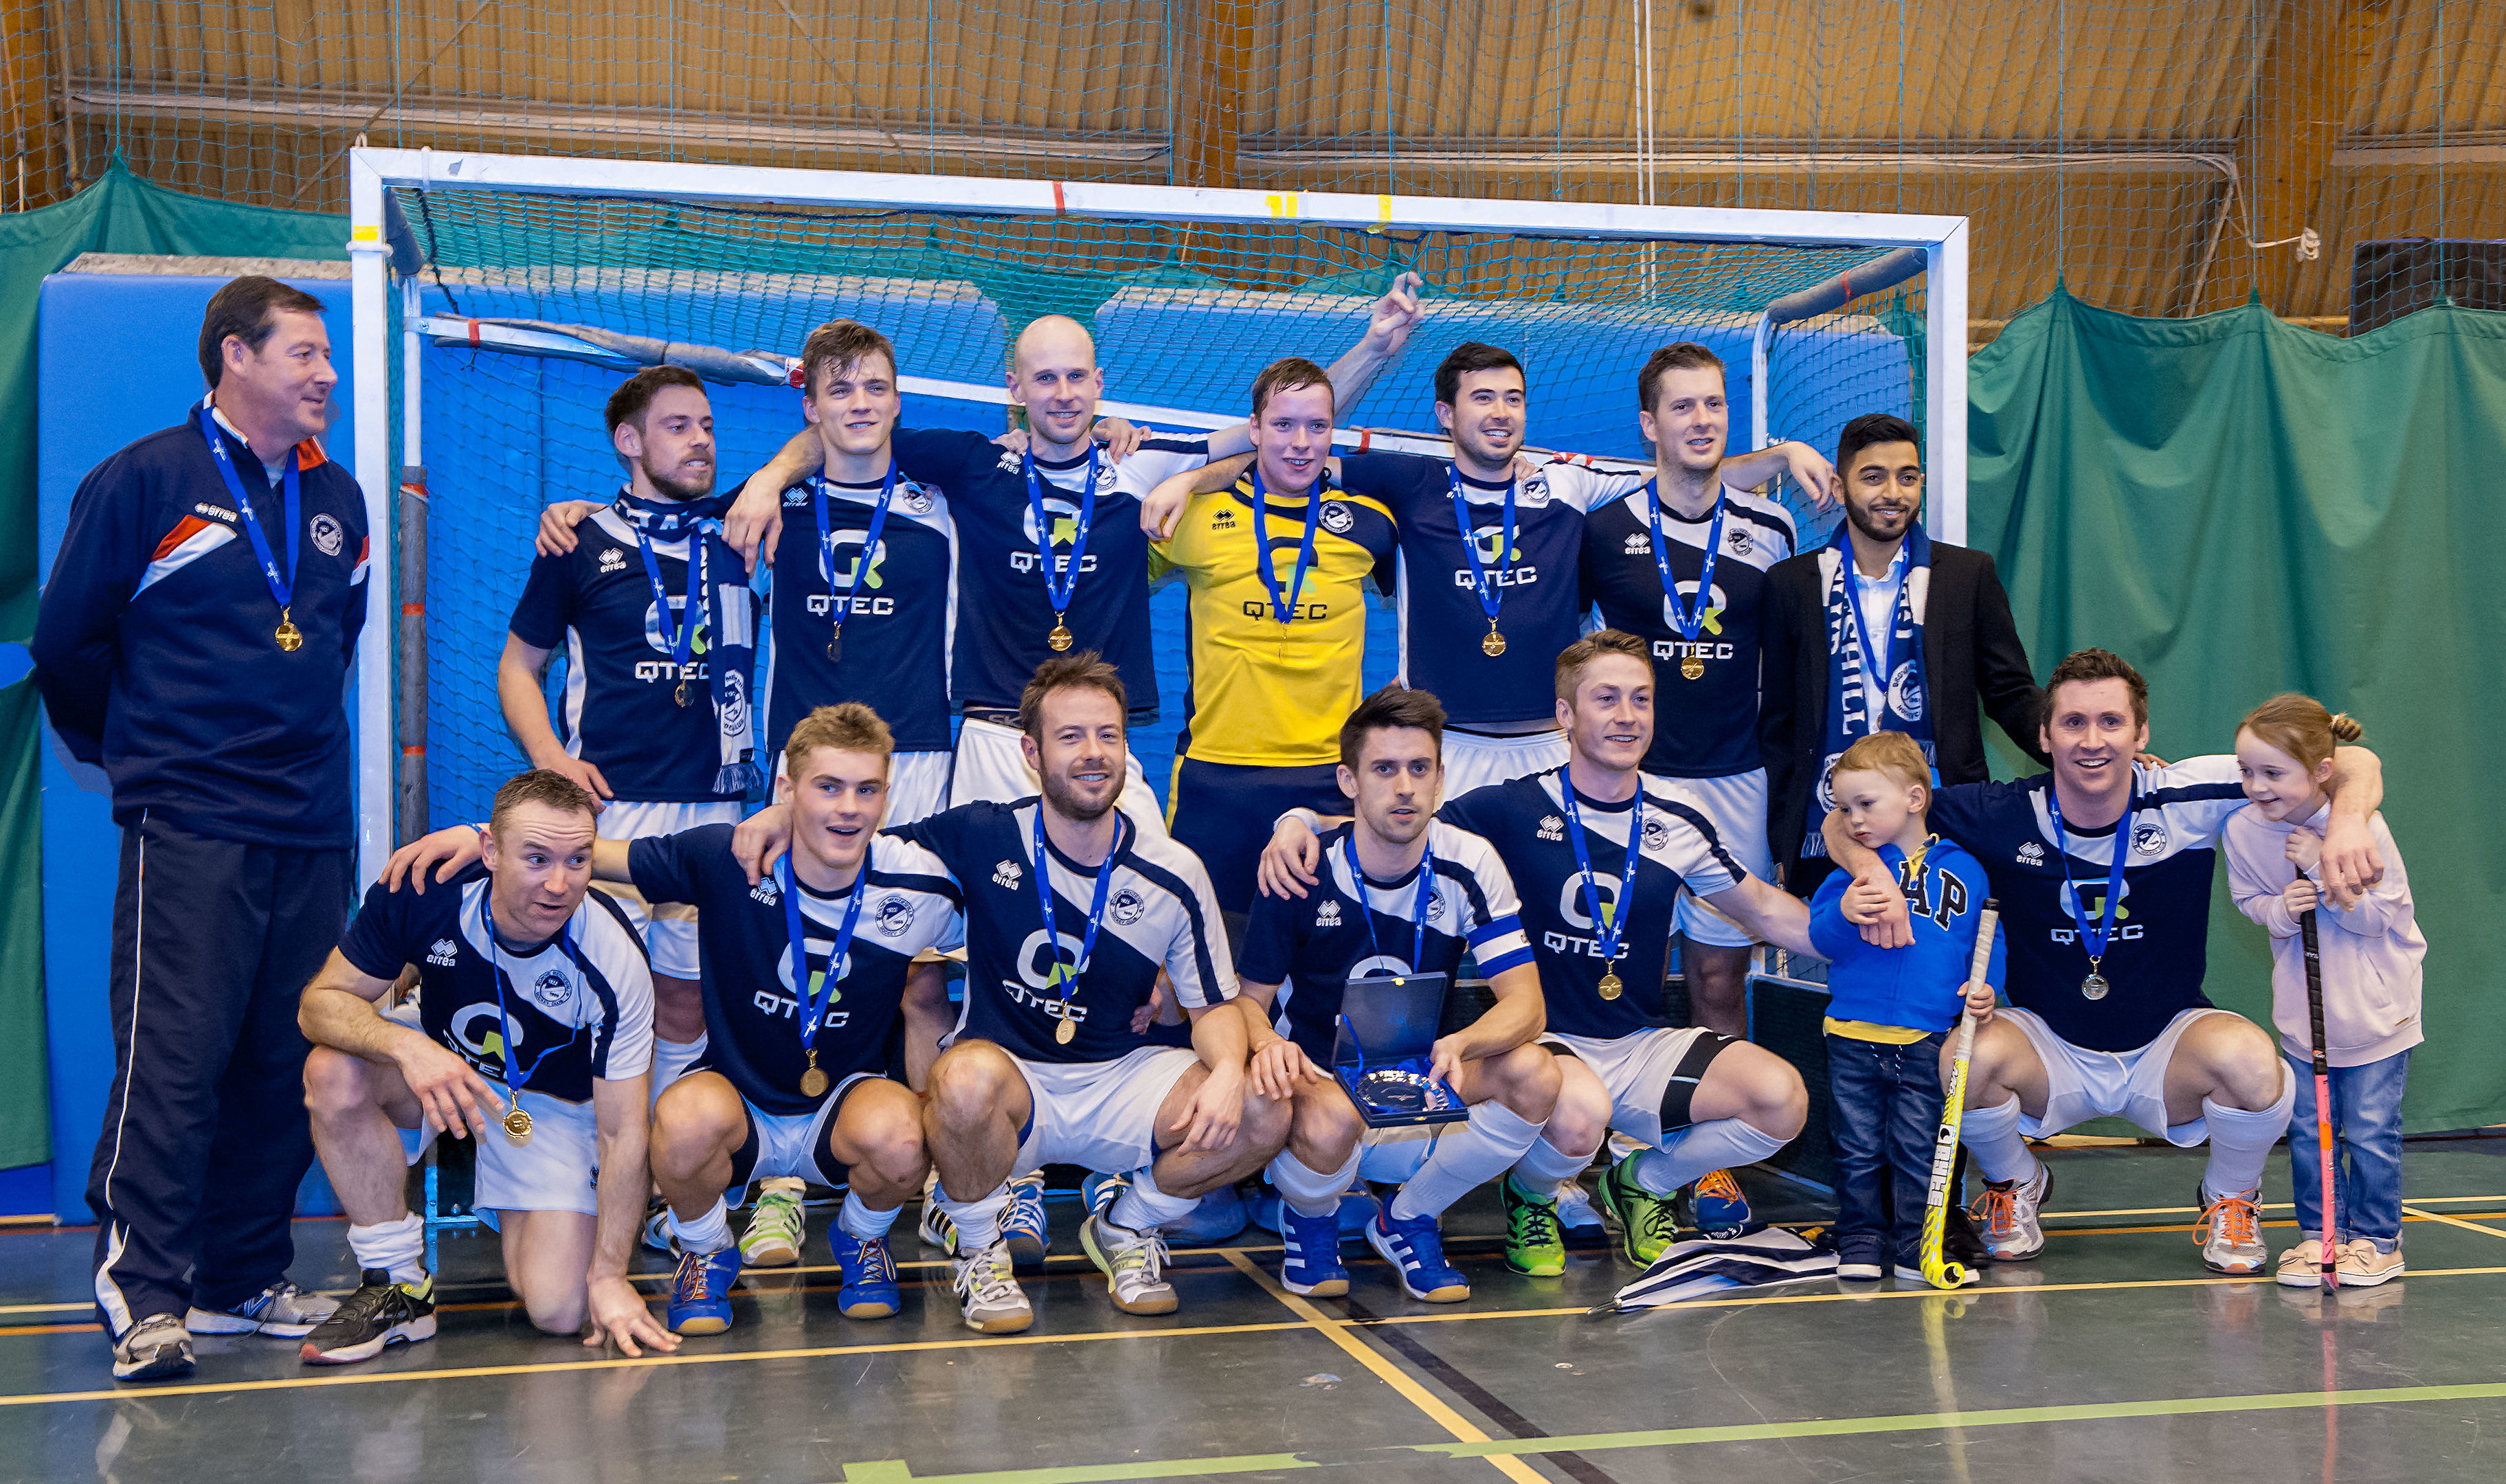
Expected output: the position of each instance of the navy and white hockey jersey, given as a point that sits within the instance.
(1158, 915)
(900, 631)
(2159, 953)
(1341, 929)
(1705, 727)
(1437, 595)
(744, 944)
(1003, 614)
(1525, 818)
(582, 1003)
(620, 682)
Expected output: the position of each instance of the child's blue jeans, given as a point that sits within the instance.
(2367, 1126)
(1887, 1113)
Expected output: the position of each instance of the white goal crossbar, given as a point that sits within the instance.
(1942, 240)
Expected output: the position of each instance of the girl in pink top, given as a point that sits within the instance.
(2370, 953)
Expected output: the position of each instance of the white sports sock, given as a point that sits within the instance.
(1143, 1207)
(1307, 1193)
(397, 1247)
(1700, 1147)
(670, 1061)
(707, 1234)
(2242, 1142)
(978, 1221)
(1991, 1136)
(1465, 1158)
(859, 1223)
(1544, 1167)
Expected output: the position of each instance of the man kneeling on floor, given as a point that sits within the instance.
(807, 976)
(533, 1032)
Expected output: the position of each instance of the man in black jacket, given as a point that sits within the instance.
(1882, 629)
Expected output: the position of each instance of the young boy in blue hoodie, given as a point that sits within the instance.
(1890, 1009)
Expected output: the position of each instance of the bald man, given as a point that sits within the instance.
(1050, 558)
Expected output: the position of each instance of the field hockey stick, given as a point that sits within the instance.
(1939, 1272)
(2322, 1087)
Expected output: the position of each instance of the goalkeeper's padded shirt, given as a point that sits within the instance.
(1004, 616)
(1343, 929)
(1268, 694)
(155, 647)
(902, 625)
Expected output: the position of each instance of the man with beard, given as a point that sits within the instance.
(657, 625)
(1071, 913)
(1882, 629)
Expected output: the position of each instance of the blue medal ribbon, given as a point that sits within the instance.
(844, 608)
(1418, 910)
(1491, 594)
(1610, 928)
(283, 588)
(679, 632)
(811, 998)
(1283, 609)
(2094, 939)
(505, 1012)
(1689, 621)
(1060, 593)
(1066, 976)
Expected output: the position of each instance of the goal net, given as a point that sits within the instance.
(501, 299)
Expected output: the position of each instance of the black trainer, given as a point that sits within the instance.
(380, 1312)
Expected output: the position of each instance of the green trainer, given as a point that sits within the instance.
(1646, 1224)
(1533, 1244)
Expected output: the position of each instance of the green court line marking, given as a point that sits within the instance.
(896, 1471)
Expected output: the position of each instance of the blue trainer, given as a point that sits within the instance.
(867, 1282)
(1717, 1208)
(701, 1293)
(1311, 1264)
(1099, 1191)
(1415, 1248)
(1023, 1223)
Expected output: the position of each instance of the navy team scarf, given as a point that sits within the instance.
(726, 641)
(1849, 708)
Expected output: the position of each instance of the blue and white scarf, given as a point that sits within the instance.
(726, 641)
(1849, 705)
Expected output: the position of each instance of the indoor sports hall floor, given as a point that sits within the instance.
(2115, 1358)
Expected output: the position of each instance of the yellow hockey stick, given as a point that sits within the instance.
(1937, 1271)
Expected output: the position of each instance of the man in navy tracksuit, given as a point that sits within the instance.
(194, 639)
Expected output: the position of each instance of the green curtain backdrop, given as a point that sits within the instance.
(117, 214)
(2240, 507)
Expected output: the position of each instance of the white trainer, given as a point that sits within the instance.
(993, 1302)
(1132, 1262)
(282, 1309)
(2230, 1234)
(2007, 1212)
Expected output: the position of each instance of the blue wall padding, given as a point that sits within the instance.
(117, 358)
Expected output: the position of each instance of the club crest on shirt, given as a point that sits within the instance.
(440, 955)
(2031, 853)
(1338, 517)
(1740, 541)
(1436, 906)
(2148, 837)
(550, 989)
(1657, 833)
(1125, 906)
(895, 915)
(326, 533)
(1552, 828)
(1008, 874)
(1327, 915)
(612, 560)
(1533, 491)
(1639, 544)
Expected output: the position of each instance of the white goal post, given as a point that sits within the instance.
(1941, 240)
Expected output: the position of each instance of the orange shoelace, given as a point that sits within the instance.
(1998, 1211)
(1719, 1185)
(2238, 1222)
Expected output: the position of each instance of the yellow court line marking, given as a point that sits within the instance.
(2430, 1215)
(2427, 1200)
(1335, 1330)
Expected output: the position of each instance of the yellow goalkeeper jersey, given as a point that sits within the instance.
(1266, 693)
